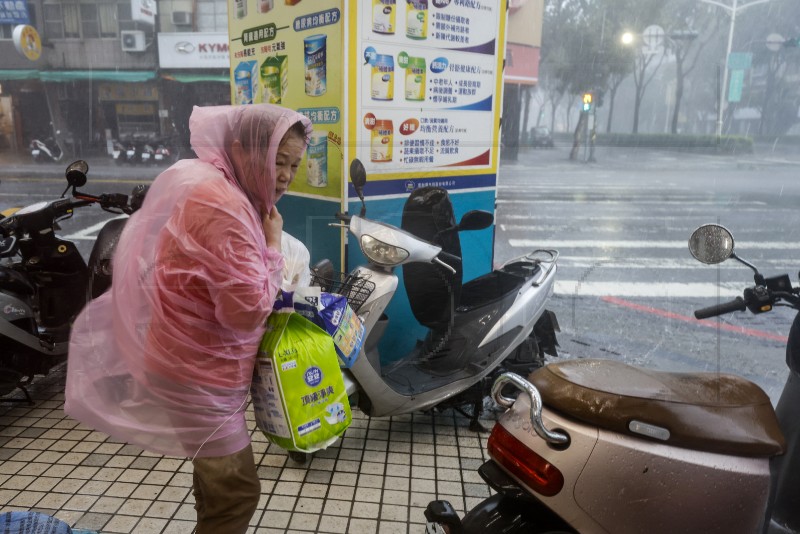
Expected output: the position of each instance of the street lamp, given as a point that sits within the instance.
(627, 38)
(732, 11)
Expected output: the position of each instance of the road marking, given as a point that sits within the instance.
(579, 200)
(26, 195)
(655, 289)
(596, 244)
(88, 234)
(585, 262)
(704, 322)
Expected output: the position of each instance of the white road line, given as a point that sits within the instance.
(607, 228)
(595, 244)
(585, 262)
(26, 195)
(685, 204)
(89, 234)
(577, 288)
(583, 188)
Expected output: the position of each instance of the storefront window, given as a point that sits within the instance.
(98, 20)
(62, 21)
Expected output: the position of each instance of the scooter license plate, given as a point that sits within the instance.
(130, 153)
(35, 153)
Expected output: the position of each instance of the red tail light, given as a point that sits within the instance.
(533, 470)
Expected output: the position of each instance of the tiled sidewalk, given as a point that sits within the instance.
(377, 479)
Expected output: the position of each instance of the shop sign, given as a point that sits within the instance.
(14, 12)
(118, 92)
(193, 51)
(144, 11)
(135, 109)
(27, 41)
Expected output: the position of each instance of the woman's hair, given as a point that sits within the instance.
(254, 132)
(299, 130)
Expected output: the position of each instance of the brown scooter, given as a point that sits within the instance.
(600, 446)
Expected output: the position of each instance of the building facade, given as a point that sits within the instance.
(121, 69)
(102, 73)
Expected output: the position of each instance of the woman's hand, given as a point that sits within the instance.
(273, 227)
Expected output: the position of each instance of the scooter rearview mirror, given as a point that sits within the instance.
(711, 244)
(476, 220)
(76, 175)
(358, 177)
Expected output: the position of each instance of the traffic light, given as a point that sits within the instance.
(792, 43)
(587, 102)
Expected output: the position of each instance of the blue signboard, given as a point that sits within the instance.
(736, 85)
(14, 12)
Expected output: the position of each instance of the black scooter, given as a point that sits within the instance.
(44, 281)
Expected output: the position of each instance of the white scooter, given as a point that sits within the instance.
(494, 323)
(46, 151)
(603, 447)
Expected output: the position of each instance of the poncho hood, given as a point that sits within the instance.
(260, 128)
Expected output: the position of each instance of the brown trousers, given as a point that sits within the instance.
(226, 492)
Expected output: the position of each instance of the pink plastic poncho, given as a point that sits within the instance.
(164, 360)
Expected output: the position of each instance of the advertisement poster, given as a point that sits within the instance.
(427, 78)
(290, 52)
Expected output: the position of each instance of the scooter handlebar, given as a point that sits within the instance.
(738, 304)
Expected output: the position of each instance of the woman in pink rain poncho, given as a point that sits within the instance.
(164, 360)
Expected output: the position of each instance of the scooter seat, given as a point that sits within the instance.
(711, 412)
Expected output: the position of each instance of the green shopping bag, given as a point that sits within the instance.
(298, 392)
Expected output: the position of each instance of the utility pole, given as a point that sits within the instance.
(732, 10)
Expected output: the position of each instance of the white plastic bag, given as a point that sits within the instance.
(296, 272)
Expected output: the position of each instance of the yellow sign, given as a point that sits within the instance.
(27, 41)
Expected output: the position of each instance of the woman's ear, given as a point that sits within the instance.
(237, 156)
(237, 150)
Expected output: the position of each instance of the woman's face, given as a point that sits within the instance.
(250, 165)
(290, 152)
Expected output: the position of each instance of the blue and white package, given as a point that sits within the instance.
(330, 312)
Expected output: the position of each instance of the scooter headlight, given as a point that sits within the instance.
(382, 253)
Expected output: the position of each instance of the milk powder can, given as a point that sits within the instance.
(417, 19)
(274, 78)
(316, 68)
(383, 16)
(265, 5)
(240, 8)
(415, 78)
(317, 159)
(383, 77)
(381, 141)
(244, 78)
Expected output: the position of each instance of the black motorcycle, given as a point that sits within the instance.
(44, 280)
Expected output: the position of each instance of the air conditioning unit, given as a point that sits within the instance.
(132, 41)
(182, 18)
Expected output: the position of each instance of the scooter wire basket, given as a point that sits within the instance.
(355, 288)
